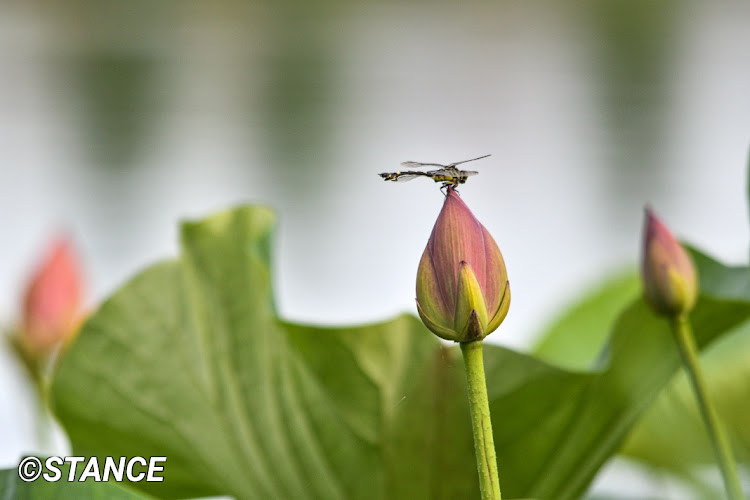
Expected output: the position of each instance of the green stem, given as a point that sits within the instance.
(684, 336)
(481, 424)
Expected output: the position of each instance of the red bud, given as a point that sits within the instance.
(52, 303)
(670, 283)
(462, 284)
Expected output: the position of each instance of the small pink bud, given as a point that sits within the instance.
(463, 292)
(52, 303)
(670, 283)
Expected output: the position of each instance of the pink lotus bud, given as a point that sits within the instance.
(52, 304)
(462, 284)
(670, 284)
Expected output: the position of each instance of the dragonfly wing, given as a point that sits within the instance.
(468, 172)
(466, 161)
(407, 176)
(416, 164)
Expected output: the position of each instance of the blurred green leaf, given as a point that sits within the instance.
(722, 282)
(671, 434)
(12, 488)
(577, 337)
(641, 361)
(190, 361)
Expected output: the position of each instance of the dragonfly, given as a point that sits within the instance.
(449, 174)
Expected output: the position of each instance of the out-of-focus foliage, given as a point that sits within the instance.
(671, 435)
(189, 361)
(577, 337)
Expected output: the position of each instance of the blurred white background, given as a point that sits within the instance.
(119, 119)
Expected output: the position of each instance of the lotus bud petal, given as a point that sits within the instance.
(670, 283)
(462, 283)
(52, 303)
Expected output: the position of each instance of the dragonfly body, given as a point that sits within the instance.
(449, 175)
